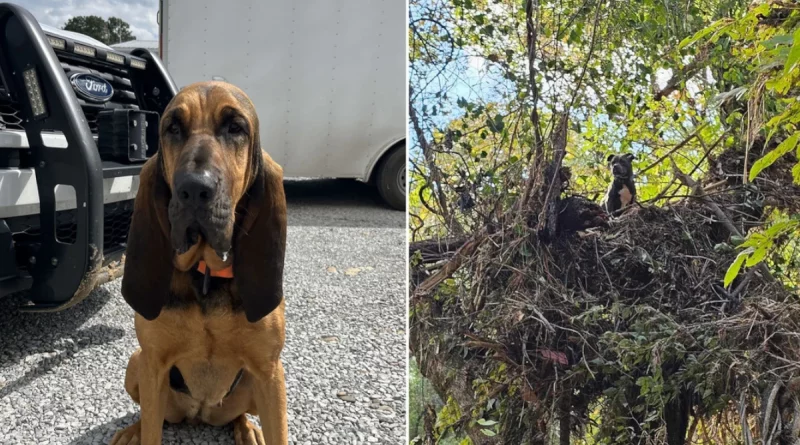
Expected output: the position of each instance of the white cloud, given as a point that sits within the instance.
(140, 14)
(476, 63)
(663, 75)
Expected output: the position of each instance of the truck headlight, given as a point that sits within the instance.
(84, 50)
(116, 58)
(34, 91)
(138, 64)
(57, 43)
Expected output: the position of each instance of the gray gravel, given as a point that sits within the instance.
(61, 375)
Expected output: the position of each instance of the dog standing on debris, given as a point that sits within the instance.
(622, 190)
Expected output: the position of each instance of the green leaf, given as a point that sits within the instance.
(495, 125)
(770, 158)
(701, 34)
(794, 54)
(779, 228)
(784, 39)
(489, 433)
(796, 173)
(735, 267)
(729, 141)
(754, 240)
(757, 256)
(485, 422)
(574, 36)
(763, 9)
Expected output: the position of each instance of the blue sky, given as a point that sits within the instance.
(140, 14)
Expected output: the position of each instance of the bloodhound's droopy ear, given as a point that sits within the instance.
(260, 244)
(148, 257)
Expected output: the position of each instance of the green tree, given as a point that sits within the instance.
(113, 30)
(90, 25)
(118, 31)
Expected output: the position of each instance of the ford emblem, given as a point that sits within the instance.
(91, 87)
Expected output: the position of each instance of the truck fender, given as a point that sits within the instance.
(375, 160)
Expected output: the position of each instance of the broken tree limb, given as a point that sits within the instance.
(697, 190)
(451, 266)
(436, 249)
(548, 218)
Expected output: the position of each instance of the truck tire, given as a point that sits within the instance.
(391, 178)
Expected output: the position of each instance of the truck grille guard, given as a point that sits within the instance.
(61, 274)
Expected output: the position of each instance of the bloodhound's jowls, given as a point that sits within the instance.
(204, 274)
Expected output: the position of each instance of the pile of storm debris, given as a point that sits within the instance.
(558, 320)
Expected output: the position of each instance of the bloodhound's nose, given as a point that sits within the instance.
(195, 189)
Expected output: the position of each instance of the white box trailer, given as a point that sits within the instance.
(327, 77)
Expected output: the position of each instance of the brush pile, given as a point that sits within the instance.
(618, 326)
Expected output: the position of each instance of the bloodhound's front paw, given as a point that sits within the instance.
(128, 436)
(245, 433)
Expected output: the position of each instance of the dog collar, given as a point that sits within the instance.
(207, 273)
(222, 273)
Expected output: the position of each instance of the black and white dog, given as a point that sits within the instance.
(622, 191)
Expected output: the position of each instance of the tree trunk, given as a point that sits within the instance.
(565, 419)
(676, 418)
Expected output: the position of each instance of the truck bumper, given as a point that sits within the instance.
(63, 265)
(19, 195)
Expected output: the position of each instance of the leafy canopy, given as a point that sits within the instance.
(111, 31)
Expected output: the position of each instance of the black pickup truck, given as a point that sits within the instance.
(77, 121)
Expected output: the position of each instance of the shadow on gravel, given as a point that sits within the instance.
(346, 203)
(173, 433)
(103, 433)
(48, 339)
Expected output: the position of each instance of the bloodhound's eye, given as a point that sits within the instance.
(174, 128)
(234, 128)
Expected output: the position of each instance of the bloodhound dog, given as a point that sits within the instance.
(204, 274)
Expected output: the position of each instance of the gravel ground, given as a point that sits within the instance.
(61, 375)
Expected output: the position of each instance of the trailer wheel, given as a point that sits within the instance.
(391, 178)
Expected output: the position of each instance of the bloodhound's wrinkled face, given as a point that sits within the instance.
(208, 136)
(210, 194)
